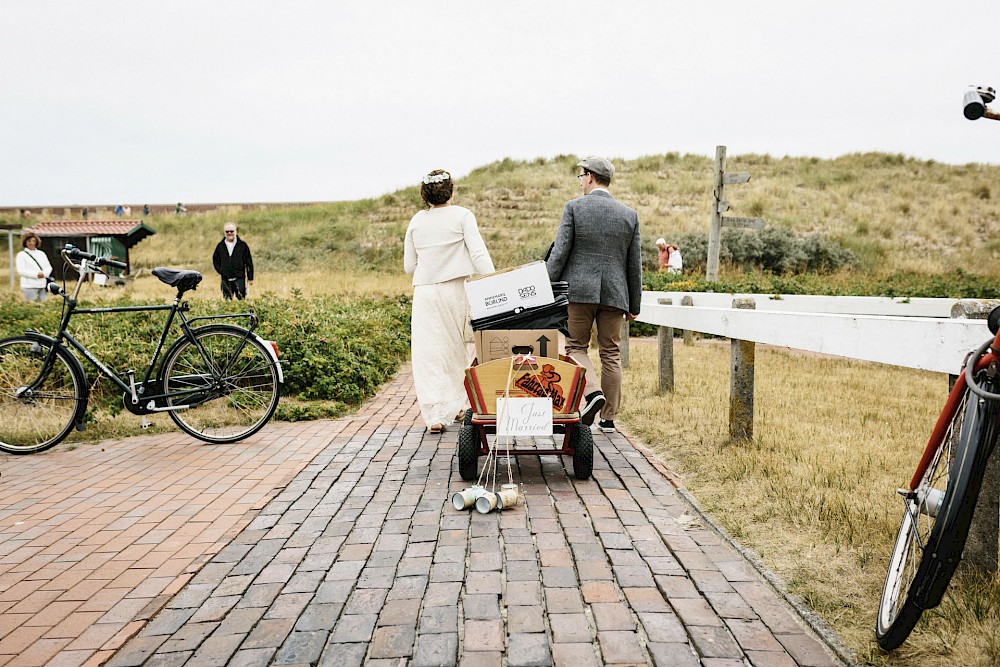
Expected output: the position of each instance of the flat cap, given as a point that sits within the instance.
(599, 166)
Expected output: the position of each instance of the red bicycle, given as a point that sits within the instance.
(939, 503)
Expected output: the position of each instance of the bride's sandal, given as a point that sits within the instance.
(436, 428)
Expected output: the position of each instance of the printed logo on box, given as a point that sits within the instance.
(496, 299)
(529, 292)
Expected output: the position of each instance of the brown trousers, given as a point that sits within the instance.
(580, 322)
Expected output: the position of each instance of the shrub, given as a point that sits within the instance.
(772, 249)
(332, 349)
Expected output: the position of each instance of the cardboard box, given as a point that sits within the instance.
(504, 291)
(562, 381)
(504, 343)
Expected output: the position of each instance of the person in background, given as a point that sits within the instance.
(180, 208)
(145, 209)
(232, 260)
(442, 247)
(597, 251)
(84, 213)
(127, 211)
(119, 211)
(675, 264)
(663, 253)
(33, 267)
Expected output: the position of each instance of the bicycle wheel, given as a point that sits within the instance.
(936, 520)
(39, 403)
(230, 391)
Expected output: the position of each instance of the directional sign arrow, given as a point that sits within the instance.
(756, 223)
(722, 206)
(736, 178)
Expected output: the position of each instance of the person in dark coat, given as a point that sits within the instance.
(597, 252)
(232, 261)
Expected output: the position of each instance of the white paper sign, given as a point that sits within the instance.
(524, 416)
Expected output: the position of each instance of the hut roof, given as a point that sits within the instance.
(133, 231)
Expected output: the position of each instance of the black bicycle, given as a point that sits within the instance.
(218, 381)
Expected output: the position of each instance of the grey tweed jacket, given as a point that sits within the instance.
(597, 252)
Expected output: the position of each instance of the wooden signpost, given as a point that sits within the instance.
(720, 206)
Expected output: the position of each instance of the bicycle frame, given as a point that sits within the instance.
(948, 412)
(177, 308)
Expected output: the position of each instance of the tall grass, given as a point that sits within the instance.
(893, 212)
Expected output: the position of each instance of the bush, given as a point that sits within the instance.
(772, 249)
(899, 284)
(332, 349)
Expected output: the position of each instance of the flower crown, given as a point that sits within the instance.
(436, 178)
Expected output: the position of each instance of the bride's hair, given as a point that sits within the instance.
(436, 188)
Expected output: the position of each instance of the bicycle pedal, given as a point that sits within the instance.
(145, 423)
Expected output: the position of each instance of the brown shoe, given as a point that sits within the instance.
(436, 428)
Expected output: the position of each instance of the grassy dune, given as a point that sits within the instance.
(894, 213)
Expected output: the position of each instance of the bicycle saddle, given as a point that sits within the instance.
(182, 279)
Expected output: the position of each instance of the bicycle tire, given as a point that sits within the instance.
(236, 405)
(35, 419)
(930, 541)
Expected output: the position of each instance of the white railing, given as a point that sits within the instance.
(811, 303)
(915, 333)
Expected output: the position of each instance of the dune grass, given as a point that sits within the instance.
(895, 213)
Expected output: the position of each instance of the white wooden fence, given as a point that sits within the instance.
(915, 333)
(926, 334)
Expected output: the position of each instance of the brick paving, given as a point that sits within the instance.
(335, 543)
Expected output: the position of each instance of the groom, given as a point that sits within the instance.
(597, 252)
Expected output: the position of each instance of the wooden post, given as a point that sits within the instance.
(688, 333)
(720, 206)
(10, 252)
(625, 342)
(665, 344)
(741, 383)
(715, 228)
(981, 549)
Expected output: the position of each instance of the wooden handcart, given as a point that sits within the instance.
(539, 377)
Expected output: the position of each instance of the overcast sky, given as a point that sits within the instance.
(244, 100)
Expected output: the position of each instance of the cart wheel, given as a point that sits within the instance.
(468, 452)
(582, 442)
(468, 417)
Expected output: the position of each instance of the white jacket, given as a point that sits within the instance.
(28, 269)
(442, 244)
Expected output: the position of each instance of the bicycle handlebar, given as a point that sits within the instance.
(76, 253)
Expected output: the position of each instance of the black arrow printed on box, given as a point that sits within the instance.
(543, 347)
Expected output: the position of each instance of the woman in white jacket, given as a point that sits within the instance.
(442, 248)
(33, 267)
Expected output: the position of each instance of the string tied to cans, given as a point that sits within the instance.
(510, 494)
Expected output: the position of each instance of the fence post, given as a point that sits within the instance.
(741, 383)
(688, 333)
(981, 548)
(665, 344)
(625, 342)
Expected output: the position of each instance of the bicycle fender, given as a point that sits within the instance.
(31, 334)
(274, 356)
(971, 458)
